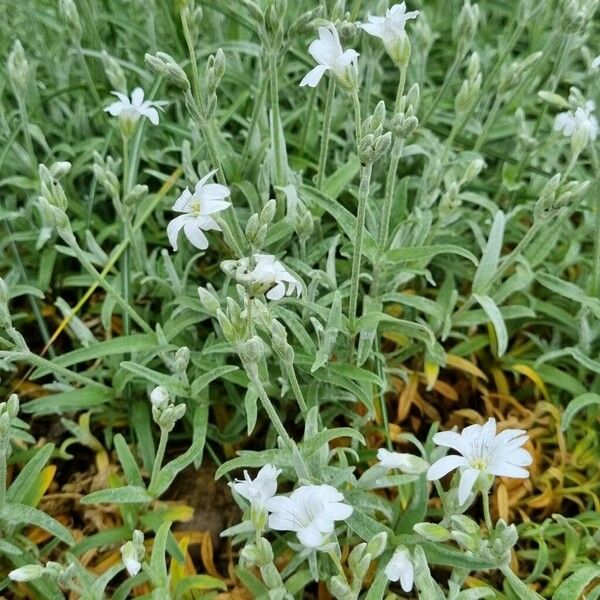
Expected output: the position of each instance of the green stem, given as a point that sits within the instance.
(278, 149)
(53, 367)
(191, 51)
(27, 134)
(326, 132)
(125, 287)
(595, 279)
(160, 455)
(127, 308)
(256, 109)
(488, 123)
(252, 371)
(4, 444)
(293, 379)
(363, 195)
(399, 104)
(485, 499)
(390, 185)
(447, 80)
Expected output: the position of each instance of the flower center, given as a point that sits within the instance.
(479, 463)
(195, 207)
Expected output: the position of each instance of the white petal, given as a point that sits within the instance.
(376, 30)
(312, 78)
(451, 439)
(175, 226)
(214, 191)
(195, 235)
(116, 108)
(151, 113)
(444, 465)
(182, 203)
(407, 577)
(137, 96)
(207, 223)
(339, 511)
(310, 536)
(505, 469)
(276, 293)
(467, 481)
(209, 207)
(132, 565)
(201, 183)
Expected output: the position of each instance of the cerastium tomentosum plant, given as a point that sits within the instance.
(353, 229)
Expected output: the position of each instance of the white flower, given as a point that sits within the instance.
(330, 55)
(595, 63)
(482, 451)
(390, 27)
(401, 568)
(129, 555)
(310, 511)
(270, 273)
(135, 108)
(207, 199)
(569, 122)
(406, 463)
(261, 488)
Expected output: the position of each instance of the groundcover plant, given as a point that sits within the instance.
(299, 299)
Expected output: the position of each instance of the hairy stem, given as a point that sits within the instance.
(325, 133)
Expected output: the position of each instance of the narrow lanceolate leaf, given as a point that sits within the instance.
(15, 513)
(128, 494)
(495, 316)
(521, 589)
(28, 479)
(576, 405)
(574, 586)
(488, 265)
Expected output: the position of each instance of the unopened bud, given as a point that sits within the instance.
(432, 532)
(209, 301)
(399, 49)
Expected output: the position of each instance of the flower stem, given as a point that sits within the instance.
(390, 184)
(160, 455)
(399, 104)
(485, 500)
(293, 379)
(447, 80)
(326, 132)
(363, 194)
(4, 444)
(252, 372)
(125, 262)
(277, 147)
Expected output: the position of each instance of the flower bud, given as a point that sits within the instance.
(5, 318)
(252, 350)
(473, 66)
(226, 327)
(382, 144)
(473, 169)
(18, 69)
(114, 72)
(60, 168)
(399, 49)
(413, 97)
(136, 195)
(209, 301)
(160, 397)
(182, 359)
(68, 11)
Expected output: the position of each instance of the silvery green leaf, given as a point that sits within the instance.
(488, 264)
(495, 316)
